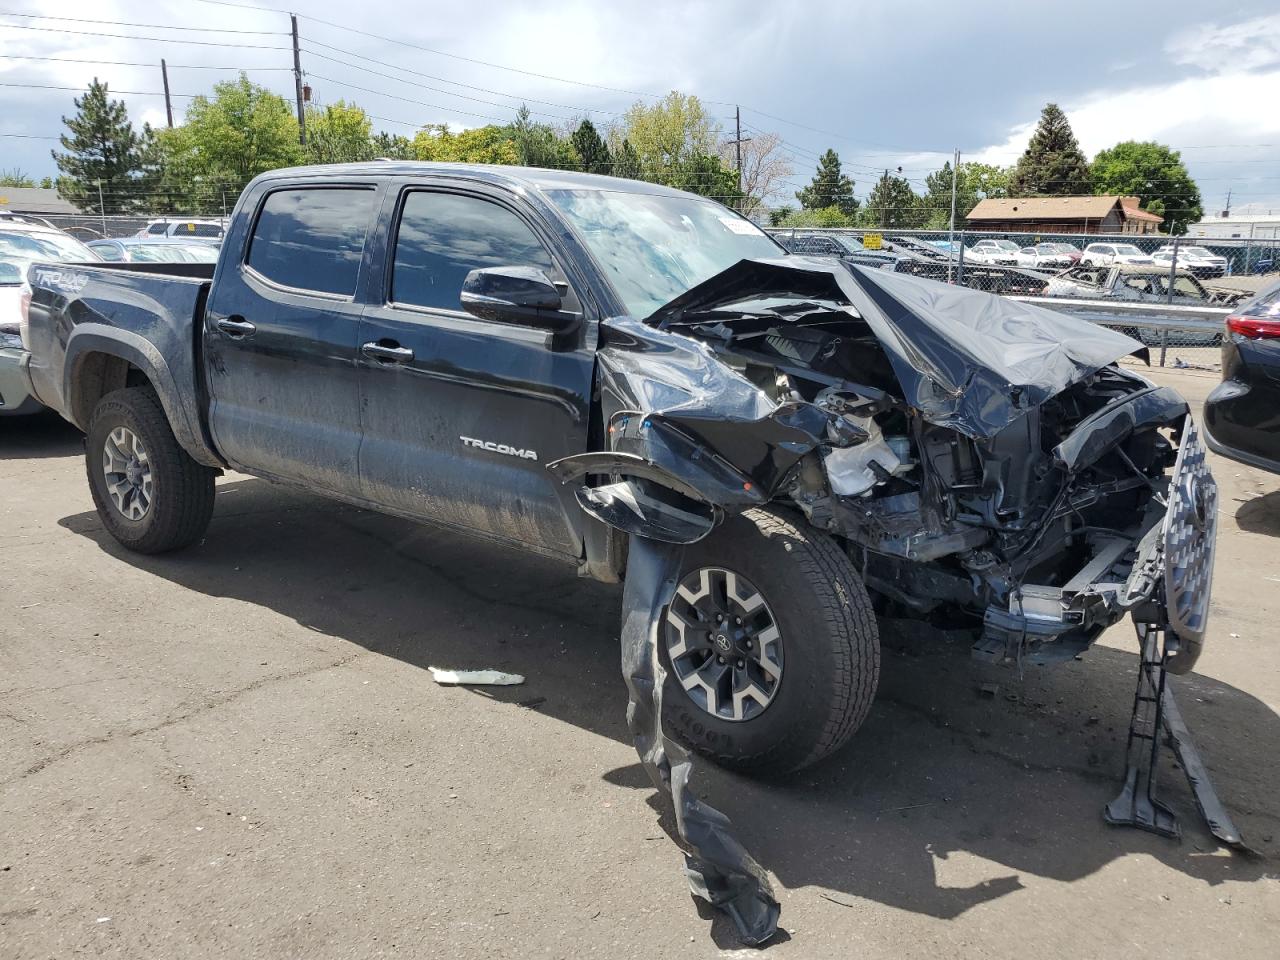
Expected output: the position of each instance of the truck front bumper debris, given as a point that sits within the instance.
(719, 869)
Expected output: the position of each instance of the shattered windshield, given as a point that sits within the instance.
(654, 248)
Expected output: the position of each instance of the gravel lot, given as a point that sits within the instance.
(238, 751)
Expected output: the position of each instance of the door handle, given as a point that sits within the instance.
(387, 352)
(237, 328)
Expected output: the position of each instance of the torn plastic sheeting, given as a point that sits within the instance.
(670, 399)
(965, 359)
(475, 678)
(717, 866)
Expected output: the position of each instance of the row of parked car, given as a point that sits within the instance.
(25, 240)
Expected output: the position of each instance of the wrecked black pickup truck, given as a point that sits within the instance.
(769, 449)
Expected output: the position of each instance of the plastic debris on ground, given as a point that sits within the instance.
(475, 678)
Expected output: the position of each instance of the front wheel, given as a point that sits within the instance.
(150, 494)
(770, 645)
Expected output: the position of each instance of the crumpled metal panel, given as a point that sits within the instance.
(965, 359)
(719, 868)
(668, 398)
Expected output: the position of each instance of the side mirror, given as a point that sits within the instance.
(524, 296)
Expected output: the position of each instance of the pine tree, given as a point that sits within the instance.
(626, 162)
(102, 148)
(1053, 165)
(593, 153)
(830, 187)
(892, 203)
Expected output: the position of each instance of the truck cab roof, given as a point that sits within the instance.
(535, 178)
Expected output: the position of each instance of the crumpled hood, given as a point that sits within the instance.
(967, 360)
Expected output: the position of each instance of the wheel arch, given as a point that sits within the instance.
(99, 361)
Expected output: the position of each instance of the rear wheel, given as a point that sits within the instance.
(770, 644)
(150, 494)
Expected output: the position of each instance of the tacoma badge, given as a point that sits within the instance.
(500, 448)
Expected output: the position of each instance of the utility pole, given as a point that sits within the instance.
(297, 83)
(168, 106)
(737, 141)
(951, 231)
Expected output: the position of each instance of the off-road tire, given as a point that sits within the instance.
(182, 490)
(832, 648)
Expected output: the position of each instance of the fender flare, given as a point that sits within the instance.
(91, 338)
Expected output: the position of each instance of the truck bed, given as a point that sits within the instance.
(149, 313)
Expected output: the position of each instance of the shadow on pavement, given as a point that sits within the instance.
(37, 436)
(942, 769)
(1261, 514)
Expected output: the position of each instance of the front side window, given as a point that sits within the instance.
(444, 236)
(157, 229)
(313, 238)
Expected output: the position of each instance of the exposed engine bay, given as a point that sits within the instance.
(982, 460)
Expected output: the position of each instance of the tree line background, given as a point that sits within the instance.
(242, 129)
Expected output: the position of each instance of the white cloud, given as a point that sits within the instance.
(1248, 45)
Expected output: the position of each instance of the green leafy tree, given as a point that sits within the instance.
(829, 188)
(1154, 173)
(892, 203)
(668, 135)
(1052, 165)
(974, 182)
(593, 152)
(491, 144)
(821, 217)
(46, 183)
(339, 133)
(778, 216)
(538, 144)
(241, 131)
(15, 178)
(705, 174)
(393, 146)
(100, 147)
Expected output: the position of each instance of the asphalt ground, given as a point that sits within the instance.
(238, 751)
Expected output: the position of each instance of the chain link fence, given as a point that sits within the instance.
(1171, 293)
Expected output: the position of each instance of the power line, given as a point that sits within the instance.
(136, 63)
(130, 36)
(429, 76)
(421, 86)
(135, 93)
(148, 26)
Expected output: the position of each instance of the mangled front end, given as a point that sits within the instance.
(981, 462)
(979, 458)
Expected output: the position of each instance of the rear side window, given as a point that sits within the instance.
(312, 238)
(444, 236)
(157, 229)
(198, 230)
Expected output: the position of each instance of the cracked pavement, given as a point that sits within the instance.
(237, 750)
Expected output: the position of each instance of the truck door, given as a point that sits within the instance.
(280, 336)
(460, 415)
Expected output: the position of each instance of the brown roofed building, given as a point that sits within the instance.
(1063, 215)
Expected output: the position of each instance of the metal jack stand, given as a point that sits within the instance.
(1154, 708)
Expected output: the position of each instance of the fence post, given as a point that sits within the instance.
(959, 260)
(1164, 343)
(1173, 267)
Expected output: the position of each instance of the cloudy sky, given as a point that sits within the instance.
(886, 85)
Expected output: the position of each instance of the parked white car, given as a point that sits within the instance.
(1002, 252)
(1043, 255)
(209, 230)
(1199, 260)
(1109, 254)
